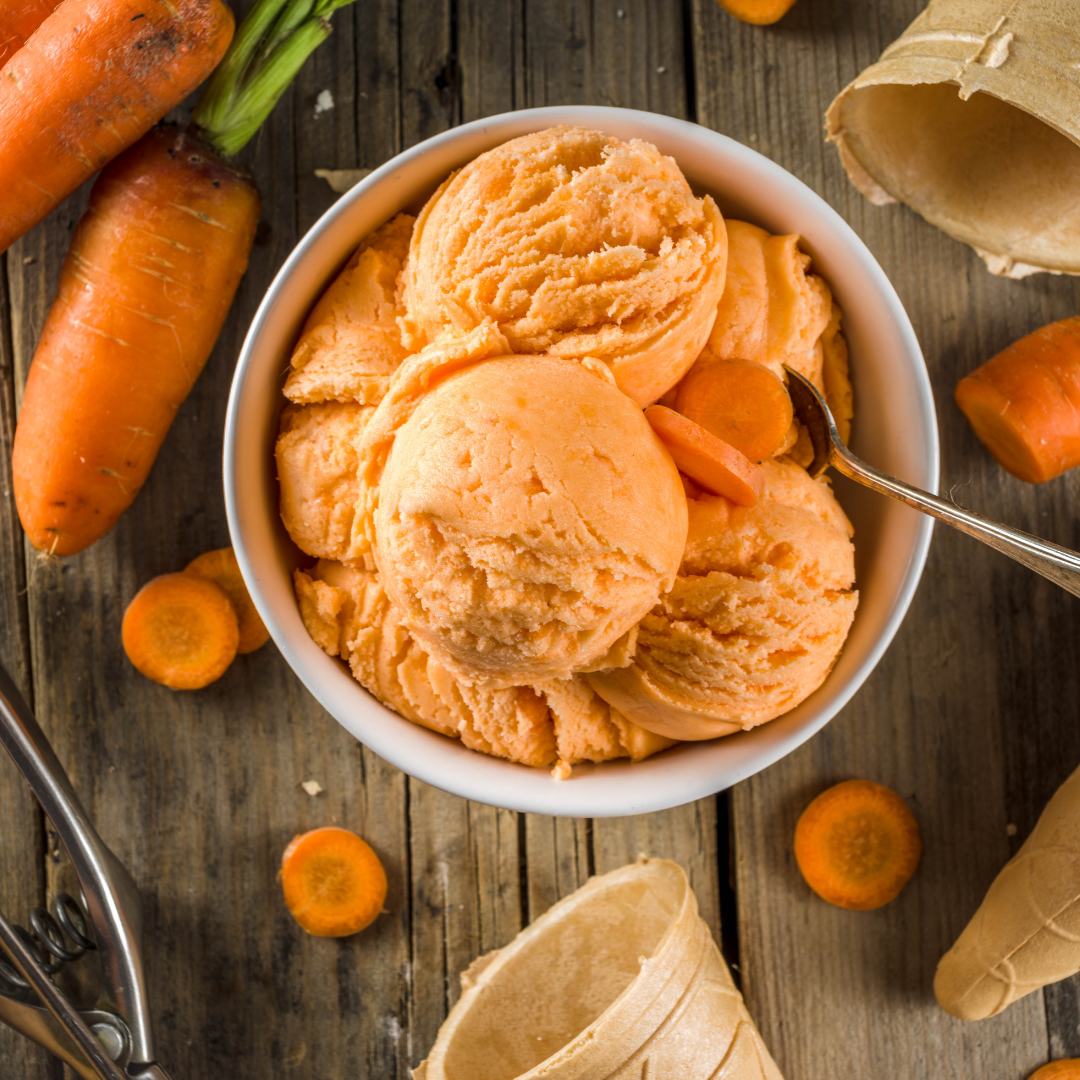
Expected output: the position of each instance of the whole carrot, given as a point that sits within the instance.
(1024, 403)
(95, 76)
(18, 20)
(145, 288)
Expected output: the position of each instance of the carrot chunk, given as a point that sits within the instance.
(1024, 403)
(714, 464)
(1062, 1069)
(857, 845)
(181, 631)
(758, 12)
(223, 570)
(741, 402)
(333, 882)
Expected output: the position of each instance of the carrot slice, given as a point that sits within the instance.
(758, 12)
(741, 402)
(223, 570)
(1024, 403)
(181, 631)
(857, 845)
(1062, 1069)
(333, 882)
(714, 464)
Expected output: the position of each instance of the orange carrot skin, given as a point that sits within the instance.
(1062, 1069)
(18, 20)
(758, 12)
(94, 78)
(1024, 403)
(145, 288)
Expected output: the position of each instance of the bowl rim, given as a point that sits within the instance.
(453, 769)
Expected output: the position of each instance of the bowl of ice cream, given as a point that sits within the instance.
(562, 621)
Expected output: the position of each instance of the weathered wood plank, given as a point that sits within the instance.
(963, 713)
(626, 53)
(559, 860)
(22, 869)
(466, 899)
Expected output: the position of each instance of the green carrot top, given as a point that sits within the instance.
(270, 47)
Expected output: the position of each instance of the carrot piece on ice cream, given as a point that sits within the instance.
(333, 882)
(710, 462)
(741, 402)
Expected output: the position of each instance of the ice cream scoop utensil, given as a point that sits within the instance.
(1057, 563)
(111, 1041)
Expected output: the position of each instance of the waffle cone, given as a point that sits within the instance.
(972, 118)
(1026, 933)
(622, 979)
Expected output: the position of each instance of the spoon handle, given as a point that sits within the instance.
(1057, 563)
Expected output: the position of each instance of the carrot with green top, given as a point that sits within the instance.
(93, 78)
(145, 289)
(18, 20)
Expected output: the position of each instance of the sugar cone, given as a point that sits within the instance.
(1026, 932)
(620, 980)
(972, 118)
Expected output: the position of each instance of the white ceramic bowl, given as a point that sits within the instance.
(894, 430)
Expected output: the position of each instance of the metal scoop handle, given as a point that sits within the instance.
(111, 897)
(1057, 564)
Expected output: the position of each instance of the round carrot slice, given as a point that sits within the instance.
(714, 464)
(757, 12)
(222, 569)
(857, 845)
(333, 882)
(741, 402)
(1062, 1069)
(180, 631)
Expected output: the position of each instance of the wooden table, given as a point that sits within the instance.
(973, 715)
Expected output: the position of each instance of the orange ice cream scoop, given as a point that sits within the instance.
(576, 244)
(755, 620)
(527, 519)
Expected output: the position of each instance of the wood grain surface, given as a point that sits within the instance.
(972, 715)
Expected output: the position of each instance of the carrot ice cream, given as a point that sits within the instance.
(502, 548)
(351, 343)
(527, 519)
(561, 723)
(574, 244)
(756, 619)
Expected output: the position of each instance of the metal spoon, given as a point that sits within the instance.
(1057, 563)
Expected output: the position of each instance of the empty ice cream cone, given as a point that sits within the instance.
(622, 979)
(1026, 933)
(972, 118)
